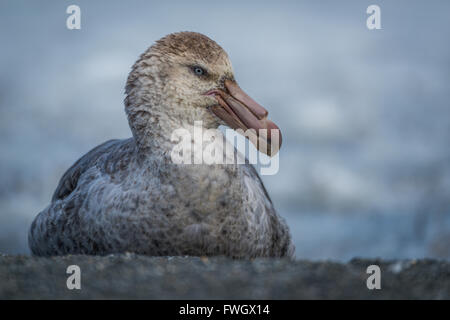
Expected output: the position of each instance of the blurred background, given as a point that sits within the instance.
(365, 114)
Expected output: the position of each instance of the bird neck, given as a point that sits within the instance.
(159, 128)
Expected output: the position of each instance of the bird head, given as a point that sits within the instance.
(190, 77)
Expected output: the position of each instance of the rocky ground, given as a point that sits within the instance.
(132, 276)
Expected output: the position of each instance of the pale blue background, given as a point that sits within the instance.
(365, 163)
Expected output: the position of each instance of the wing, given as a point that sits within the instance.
(255, 175)
(281, 243)
(69, 180)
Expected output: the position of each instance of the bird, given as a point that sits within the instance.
(128, 195)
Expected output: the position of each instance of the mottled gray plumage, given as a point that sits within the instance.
(128, 195)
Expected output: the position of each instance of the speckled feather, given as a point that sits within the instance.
(128, 195)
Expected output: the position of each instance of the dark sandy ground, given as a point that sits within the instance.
(129, 276)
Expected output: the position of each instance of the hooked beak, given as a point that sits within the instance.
(239, 111)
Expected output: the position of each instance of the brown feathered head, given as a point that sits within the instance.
(186, 76)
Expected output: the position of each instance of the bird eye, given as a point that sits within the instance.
(199, 71)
